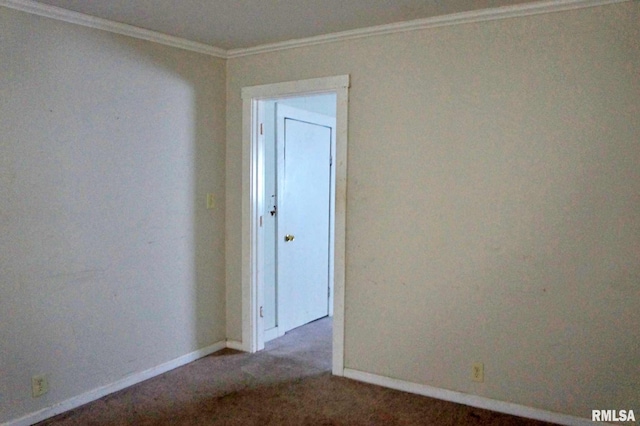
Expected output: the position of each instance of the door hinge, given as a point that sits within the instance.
(261, 221)
(261, 128)
(261, 312)
(331, 161)
(329, 292)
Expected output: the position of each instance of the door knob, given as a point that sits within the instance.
(288, 238)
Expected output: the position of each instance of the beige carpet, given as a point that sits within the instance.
(289, 383)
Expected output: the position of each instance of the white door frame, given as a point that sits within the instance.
(253, 206)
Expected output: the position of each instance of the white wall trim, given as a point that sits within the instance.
(77, 18)
(294, 88)
(123, 383)
(272, 333)
(504, 12)
(252, 203)
(234, 344)
(467, 399)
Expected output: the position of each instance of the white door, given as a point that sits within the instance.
(304, 144)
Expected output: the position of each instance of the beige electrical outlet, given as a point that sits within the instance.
(210, 201)
(39, 385)
(477, 372)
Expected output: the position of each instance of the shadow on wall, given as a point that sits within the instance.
(112, 263)
(192, 106)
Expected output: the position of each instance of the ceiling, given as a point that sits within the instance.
(237, 24)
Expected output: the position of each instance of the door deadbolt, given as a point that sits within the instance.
(288, 238)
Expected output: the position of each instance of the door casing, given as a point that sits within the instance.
(253, 206)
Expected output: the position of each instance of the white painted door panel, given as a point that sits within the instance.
(304, 212)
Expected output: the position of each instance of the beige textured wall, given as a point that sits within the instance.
(110, 264)
(493, 209)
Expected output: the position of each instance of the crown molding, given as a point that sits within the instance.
(504, 12)
(65, 15)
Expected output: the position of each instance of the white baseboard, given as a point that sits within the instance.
(98, 393)
(430, 391)
(467, 399)
(234, 344)
(271, 334)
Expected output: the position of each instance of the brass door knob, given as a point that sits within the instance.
(288, 238)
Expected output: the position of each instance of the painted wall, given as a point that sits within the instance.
(110, 263)
(493, 207)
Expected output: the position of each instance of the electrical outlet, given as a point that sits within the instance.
(477, 372)
(210, 201)
(39, 385)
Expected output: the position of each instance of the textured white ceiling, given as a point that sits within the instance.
(233, 24)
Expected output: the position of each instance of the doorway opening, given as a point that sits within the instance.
(271, 302)
(298, 135)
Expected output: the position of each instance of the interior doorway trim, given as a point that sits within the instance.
(253, 205)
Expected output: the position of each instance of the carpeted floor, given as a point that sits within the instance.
(289, 383)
